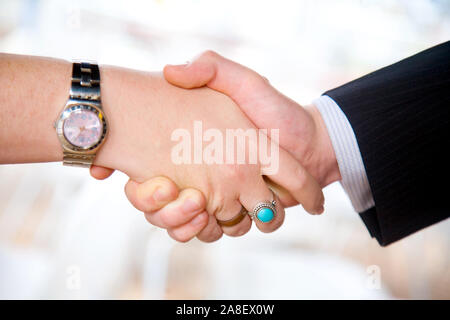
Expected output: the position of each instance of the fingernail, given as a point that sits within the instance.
(161, 195)
(190, 205)
(321, 210)
(198, 220)
(179, 65)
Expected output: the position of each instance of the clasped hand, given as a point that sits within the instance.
(189, 199)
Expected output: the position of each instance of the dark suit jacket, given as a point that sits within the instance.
(400, 116)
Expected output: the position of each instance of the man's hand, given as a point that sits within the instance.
(302, 131)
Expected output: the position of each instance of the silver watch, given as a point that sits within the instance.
(82, 127)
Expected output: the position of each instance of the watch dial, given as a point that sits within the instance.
(83, 128)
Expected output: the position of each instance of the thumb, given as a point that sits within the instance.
(189, 76)
(100, 173)
(223, 75)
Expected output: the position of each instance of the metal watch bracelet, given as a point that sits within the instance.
(85, 86)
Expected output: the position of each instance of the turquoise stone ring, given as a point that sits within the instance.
(265, 215)
(264, 211)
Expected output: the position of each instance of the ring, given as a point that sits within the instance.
(265, 211)
(235, 220)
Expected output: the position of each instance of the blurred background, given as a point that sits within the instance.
(65, 235)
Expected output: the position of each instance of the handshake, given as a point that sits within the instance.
(212, 146)
(175, 139)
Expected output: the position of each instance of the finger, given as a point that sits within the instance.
(189, 204)
(290, 175)
(227, 211)
(257, 192)
(152, 194)
(286, 199)
(189, 230)
(100, 173)
(240, 228)
(189, 76)
(212, 232)
(211, 69)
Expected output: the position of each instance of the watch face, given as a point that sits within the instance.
(83, 128)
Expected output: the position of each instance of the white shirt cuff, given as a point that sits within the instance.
(354, 177)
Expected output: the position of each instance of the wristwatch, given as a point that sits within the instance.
(82, 127)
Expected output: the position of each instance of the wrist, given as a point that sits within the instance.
(134, 103)
(324, 157)
(113, 86)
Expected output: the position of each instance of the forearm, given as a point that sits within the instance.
(33, 92)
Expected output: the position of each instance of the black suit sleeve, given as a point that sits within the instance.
(400, 116)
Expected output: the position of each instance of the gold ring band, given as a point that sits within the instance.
(235, 220)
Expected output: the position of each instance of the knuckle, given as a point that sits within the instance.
(144, 201)
(170, 218)
(172, 193)
(218, 203)
(179, 236)
(227, 209)
(213, 235)
(161, 185)
(216, 237)
(197, 197)
(148, 205)
(149, 219)
(208, 54)
(170, 189)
